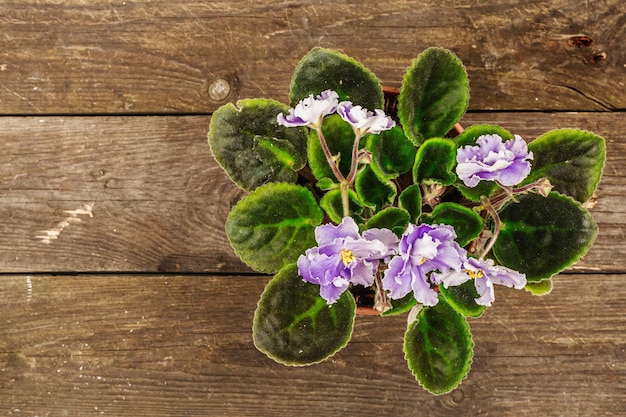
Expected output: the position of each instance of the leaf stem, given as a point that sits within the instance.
(355, 159)
(542, 186)
(381, 303)
(345, 198)
(329, 156)
(496, 218)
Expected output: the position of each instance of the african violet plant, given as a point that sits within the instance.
(347, 204)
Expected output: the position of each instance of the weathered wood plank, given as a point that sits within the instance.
(160, 56)
(159, 201)
(181, 345)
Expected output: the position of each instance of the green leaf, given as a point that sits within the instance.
(393, 153)
(323, 69)
(373, 191)
(543, 287)
(326, 184)
(340, 140)
(472, 133)
(411, 200)
(463, 298)
(293, 325)
(332, 204)
(541, 236)
(486, 188)
(571, 159)
(273, 225)
(435, 161)
(401, 305)
(392, 218)
(434, 95)
(465, 221)
(438, 348)
(252, 148)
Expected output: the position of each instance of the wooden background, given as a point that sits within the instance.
(119, 294)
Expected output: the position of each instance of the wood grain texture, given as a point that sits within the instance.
(119, 293)
(181, 345)
(76, 57)
(160, 201)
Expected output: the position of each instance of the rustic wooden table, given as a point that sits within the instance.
(119, 294)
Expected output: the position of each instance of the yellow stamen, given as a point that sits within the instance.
(346, 256)
(475, 274)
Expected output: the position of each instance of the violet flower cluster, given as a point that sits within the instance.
(492, 160)
(310, 112)
(424, 257)
(345, 257)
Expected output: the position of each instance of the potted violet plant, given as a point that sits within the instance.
(349, 206)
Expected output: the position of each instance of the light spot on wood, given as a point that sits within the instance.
(29, 289)
(48, 236)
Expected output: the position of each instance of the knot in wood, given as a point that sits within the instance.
(219, 89)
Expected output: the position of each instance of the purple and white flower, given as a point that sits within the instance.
(485, 274)
(364, 121)
(424, 252)
(492, 160)
(343, 257)
(310, 111)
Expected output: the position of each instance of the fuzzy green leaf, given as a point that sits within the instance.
(294, 326)
(332, 204)
(393, 153)
(486, 188)
(463, 298)
(401, 305)
(467, 223)
(472, 133)
(543, 287)
(392, 218)
(411, 200)
(273, 225)
(434, 95)
(571, 159)
(252, 148)
(438, 347)
(541, 236)
(323, 69)
(435, 161)
(373, 191)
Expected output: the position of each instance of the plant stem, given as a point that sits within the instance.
(542, 186)
(355, 160)
(381, 303)
(496, 218)
(329, 156)
(345, 198)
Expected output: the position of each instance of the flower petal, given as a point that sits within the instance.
(451, 279)
(493, 160)
(331, 292)
(484, 287)
(421, 288)
(310, 111)
(327, 233)
(364, 121)
(397, 279)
